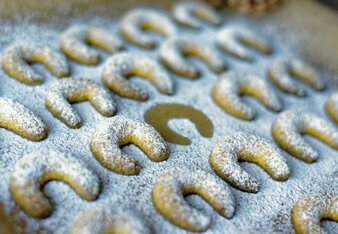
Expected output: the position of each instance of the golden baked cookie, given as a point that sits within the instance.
(282, 71)
(36, 169)
(120, 66)
(229, 88)
(118, 131)
(310, 210)
(102, 219)
(289, 127)
(229, 150)
(332, 106)
(17, 57)
(253, 7)
(135, 22)
(21, 120)
(173, 51)
(63, 92)
(191, 13)
(232, 40)
(171, 187)
(75, 43)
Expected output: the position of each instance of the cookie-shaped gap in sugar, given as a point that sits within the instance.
(63, 92)
(171, 187)
(289, 127)
(18, 57)
(36, 169)
(118, 131)
(332, 106)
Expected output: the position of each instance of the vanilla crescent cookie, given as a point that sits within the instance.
(229, 88)
(120, 66)
(232, 39)
(228, 151)
(21, 120)
(118, 131)
(36, 169)
(17, 57)
(136, 21)
(332, 106)
(75, 43)
(171, 187)
(190, 13)
(281, 70)
(102, 219)
(63, 92)
(173, 51)
(310, 210)
(289, 127)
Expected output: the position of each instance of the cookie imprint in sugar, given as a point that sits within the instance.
(171, 187)
(310, 210)
(17, 57)
(332, 107)
(118, 131)
(119, 67)
(229, 88)
(20, 120)
(76, 41)
(281, 72)
(63, 92)
(173, 51)
(233, 40)
(135, 22)
(102, 219)
(289, 126)
(191, 13)
(36, 169)
(227, 152)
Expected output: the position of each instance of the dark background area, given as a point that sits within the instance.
(331, 3)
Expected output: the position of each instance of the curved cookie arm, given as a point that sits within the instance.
(101, 219)
(17, 58)
(173, 51)
(332, 106)
(22, 121)
(133, 24)
(171, 187)
(229, 150)
(76, 40)
(229, 88)
(230, 40)
(36, 169)
(308, 211)
(64, 92)
(119, 67)
(289, 126)
(280, 72)
(119, 131)
(189, 14)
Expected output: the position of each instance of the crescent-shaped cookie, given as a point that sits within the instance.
(332, 106)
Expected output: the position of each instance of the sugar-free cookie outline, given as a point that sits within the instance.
(120, 66)
(190, 14)
(36, 169)
(282, 71)
(171, 187)
(17, 58)
(76, 41)
(111, 134)
(229, 88)
(103, 219)
(332, 106)
(63, 92)
(134, 23)
(307, 213)
(289, 127)
(173, 51)
(22, 121)
(232, 41)
(227, 152)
